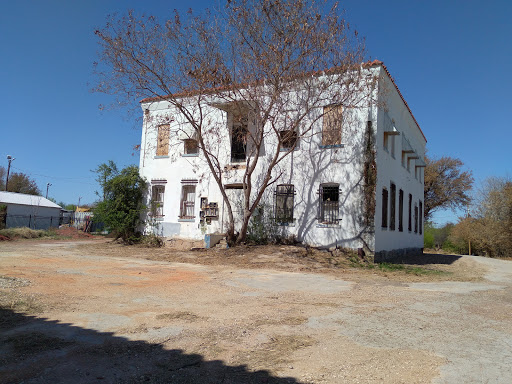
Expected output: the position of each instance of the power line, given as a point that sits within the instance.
(70, 179)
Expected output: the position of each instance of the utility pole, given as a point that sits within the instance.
(47, 186)
(469, 240)
(9, 159)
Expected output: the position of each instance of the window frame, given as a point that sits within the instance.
(409, 227)
(288, 139)
(187, 205)
(392, 206)
(162, 140)
(400, 210)
(420, 218)
(332, 208)
(157, 206)
(187, 147)
(239, 131)
(385, 198)
(332, 126)
(284, 214)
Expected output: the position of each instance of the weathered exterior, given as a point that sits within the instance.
(310, 169)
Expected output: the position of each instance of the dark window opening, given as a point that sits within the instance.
(421, 218)
(384, 208)
(239, 140)
(288, 138)
(392, 207)
(401, 211)
(191, 147)
(410, 213)
(415, 218)
(284, 196)
(329, 204)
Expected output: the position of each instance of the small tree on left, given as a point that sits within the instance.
(122, 208)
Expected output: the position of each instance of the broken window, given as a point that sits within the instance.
(331, 129)
(329, 203)
(392, 206)
(191, 147)
(157, 200)
(239, 139)
(162, 145)
(188, 196)
(288, 138)
(284, 196)
(384, 208)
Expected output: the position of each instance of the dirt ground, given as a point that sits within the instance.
(91, 311)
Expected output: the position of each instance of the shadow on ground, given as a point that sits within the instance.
(38, 350)
(427, 258)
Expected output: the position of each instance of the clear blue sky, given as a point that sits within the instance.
(450, 59)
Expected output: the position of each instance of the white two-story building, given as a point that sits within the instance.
(352, 176)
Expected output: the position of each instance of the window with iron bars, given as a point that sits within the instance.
(284, 201)
(157, 200)
(188, 195)
(328, 210)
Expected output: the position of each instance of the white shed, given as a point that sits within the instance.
(31, 211)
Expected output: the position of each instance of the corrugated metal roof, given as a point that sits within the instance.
(23, 199)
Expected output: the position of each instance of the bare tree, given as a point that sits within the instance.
(269, 61)
(446, 185)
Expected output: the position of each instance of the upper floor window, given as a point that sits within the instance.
(162, 145)
(239, 132)
(288, 138)
(329, 203)
(284, 196)
(157, 200)
(332, 124)
(191, 147)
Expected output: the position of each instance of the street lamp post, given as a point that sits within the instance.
(9, 159)
(47, 186)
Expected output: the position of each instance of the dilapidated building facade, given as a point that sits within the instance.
(352, 175)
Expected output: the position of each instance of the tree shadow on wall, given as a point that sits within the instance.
(38, 350)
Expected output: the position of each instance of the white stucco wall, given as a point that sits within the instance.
(306, 168)
(390, 170)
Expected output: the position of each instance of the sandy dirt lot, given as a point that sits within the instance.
(97, 312)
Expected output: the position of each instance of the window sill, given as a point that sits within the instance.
(161, 157)
(187, 220)
(289, 149)
(332, 146)
(159, 218)
(326, 225)
(286, 224)
(190, 155)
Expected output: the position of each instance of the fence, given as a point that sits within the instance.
(45, 222)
